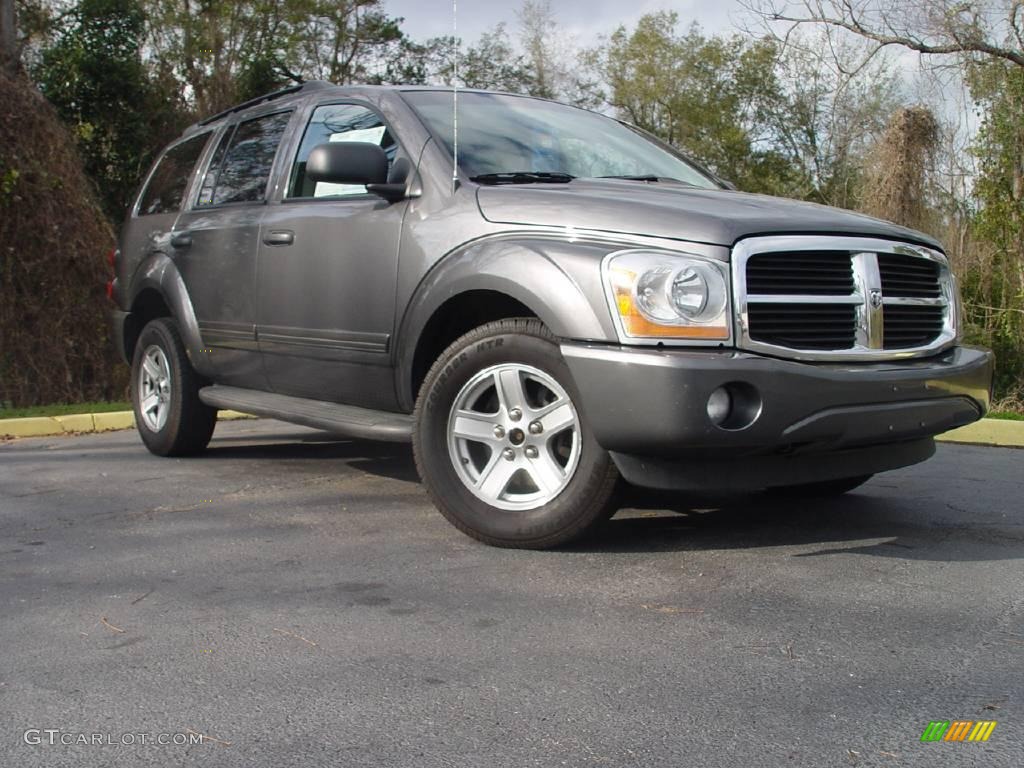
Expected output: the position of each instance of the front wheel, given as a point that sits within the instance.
(169, 415)
(501, 446)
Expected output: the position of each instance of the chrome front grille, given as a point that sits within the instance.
(842, 298)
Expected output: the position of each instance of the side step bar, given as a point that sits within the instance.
(346, 420)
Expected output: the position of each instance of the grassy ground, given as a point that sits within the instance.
(1007, 415)
(62, 410)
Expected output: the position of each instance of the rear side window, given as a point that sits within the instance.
(166, 189)
(241, 165)
(338, 122)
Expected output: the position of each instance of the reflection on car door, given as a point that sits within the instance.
(216, 245)
(328, 261)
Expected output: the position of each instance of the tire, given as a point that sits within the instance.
(558, 484)
(177, 423)
(824, 489)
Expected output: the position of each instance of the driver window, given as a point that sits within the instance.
(338, 122)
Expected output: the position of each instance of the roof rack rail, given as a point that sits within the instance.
(309, 85)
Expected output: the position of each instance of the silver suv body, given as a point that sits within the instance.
(315, 256)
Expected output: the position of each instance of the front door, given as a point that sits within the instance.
(216, 246)
(328, 263)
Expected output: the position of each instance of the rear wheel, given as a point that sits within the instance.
(169, 415)
(824, 489)
(501, 446)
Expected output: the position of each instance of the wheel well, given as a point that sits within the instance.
(457, 317)
(148, 305)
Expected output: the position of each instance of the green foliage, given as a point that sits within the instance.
(94, 75)
(222, 52)
(707, 95)
(994, 293)
(54, 343)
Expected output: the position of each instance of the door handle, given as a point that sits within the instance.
(181, 240)
(279, 237)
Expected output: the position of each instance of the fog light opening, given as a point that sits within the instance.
(734, 406)
(719, 406)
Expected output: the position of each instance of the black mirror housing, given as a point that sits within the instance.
(347, 162)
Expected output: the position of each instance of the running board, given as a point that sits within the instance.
(347, 420)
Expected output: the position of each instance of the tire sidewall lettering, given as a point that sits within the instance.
(457, 362)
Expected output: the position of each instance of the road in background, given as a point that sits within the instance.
(298, 599)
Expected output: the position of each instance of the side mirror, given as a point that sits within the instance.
(347, 162)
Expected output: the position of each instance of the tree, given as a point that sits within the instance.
(9, 53)
(538, 26)
(551, 59)
(900, 163)
(94, 76)
(989, 29)
(710, 96)
(995, 289)
(224, 51)
(829, 114)
(491, 63)
(54, 342)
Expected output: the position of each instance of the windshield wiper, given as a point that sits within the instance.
(649, 178)
(523, 177)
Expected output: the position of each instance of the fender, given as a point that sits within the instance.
(159, 273)
(557, 280)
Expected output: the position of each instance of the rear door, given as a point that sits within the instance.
(327, 272)
(149, 226)
(215, 244)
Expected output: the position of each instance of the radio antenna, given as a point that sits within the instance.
(455, 98)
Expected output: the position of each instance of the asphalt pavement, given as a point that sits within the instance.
(296, 600)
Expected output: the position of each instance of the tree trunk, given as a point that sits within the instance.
(9, 58)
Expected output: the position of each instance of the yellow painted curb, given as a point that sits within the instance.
(78, 423)
(104, 422)
(999, 432)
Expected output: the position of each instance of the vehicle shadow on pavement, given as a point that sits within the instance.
(393, 461)
(655, 521)
(649, 521)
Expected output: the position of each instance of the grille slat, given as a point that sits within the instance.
(908, 326)
(803, 326)
(909, 276)
(806, 273)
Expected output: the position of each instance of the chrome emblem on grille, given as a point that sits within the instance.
(875, 297)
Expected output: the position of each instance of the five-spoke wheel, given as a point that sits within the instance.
(501, 445)
(169, 416)
(154, 388)
(514, 436)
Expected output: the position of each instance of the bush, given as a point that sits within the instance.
(54, 338)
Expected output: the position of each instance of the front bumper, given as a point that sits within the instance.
(649, 408)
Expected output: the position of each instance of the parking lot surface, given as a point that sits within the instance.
(295, 598)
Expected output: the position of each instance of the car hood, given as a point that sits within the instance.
(713, 216)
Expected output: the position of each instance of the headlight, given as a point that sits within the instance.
(658, 295)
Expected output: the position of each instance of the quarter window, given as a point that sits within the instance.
(338, 122)
(242, 163)
(166, 188)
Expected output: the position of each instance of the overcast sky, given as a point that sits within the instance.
(583, 19)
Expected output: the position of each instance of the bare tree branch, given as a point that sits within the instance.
(938, 27)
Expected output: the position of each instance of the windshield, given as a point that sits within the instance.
(502, 134)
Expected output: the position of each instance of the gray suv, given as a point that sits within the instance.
(570, 304)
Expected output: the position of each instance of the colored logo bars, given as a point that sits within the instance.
(958, 730)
